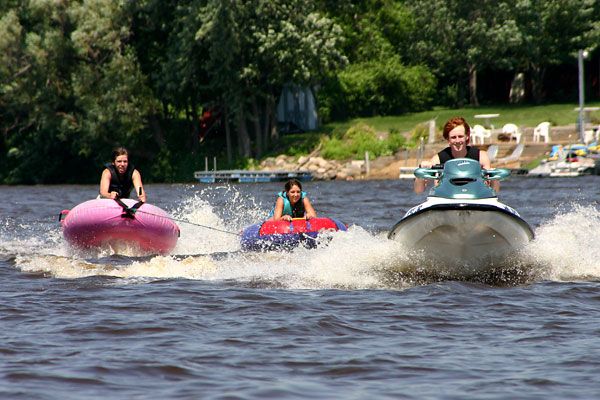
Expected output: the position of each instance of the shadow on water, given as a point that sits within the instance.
(511, 271)
(119, 259)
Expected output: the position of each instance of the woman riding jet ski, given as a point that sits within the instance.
(462, 222)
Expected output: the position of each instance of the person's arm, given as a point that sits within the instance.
(278, 214)
(138, 186)
(485, 162)
(310, 211)
(421, 184)
(105, 184)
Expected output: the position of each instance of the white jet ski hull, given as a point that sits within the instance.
(472, 232)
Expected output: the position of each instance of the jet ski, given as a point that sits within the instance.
(462, 223)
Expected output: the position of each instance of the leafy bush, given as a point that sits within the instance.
(377, 88)
(359, 139)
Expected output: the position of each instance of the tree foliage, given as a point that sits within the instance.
(456, 38)
(270, 43)
(552, 33)
(385, 87)
(78, 77)
(71, 88)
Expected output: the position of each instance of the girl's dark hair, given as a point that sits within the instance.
(292, 182)
(119, 151)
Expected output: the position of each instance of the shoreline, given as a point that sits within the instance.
(388, 167)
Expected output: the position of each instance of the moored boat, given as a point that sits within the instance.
(102, 223)
(277, 235)
(462, 222)
(567, 161)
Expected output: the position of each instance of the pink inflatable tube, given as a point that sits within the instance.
(101, 222)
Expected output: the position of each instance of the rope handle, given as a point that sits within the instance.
(129, 212)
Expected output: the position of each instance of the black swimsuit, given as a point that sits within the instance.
(446, 154)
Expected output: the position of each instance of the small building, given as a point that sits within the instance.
(296, 109)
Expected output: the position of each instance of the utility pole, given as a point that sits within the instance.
(580, 56)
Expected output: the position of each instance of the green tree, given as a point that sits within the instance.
(457, 38)
(35, 93)
(380, 79)
(71, 89)
(553, 31)
(112, 98)
(379, 87)
(373, 29)
(277, 42)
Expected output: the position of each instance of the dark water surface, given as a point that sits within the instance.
(354, 319)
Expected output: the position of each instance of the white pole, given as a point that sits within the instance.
(431, 131)
(580, 55)
(367, 164)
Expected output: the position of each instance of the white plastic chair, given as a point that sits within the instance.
(542, 130)
(478, 131)
(514, 156)
(589, 136)
(492, 152)
(513, 130)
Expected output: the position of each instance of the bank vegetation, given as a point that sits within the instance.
(177, 81)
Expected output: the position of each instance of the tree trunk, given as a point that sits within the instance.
(274, 128)
(195, 131)
(225, 118)
(266, 123)
(517, 89)
(257, 129)
(157, 131)
(537, 78)
(473, 85)
(189, 122)
(271, 114)
(242, 133)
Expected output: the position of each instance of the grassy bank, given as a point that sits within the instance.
(557, 114)
(525, 116)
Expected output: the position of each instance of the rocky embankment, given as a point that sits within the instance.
(386, 167)
(320, 168)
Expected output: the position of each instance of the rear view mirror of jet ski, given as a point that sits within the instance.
(462, 223)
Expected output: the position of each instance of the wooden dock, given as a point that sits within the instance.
(245, 176)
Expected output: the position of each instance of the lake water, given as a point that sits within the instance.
(353, 319)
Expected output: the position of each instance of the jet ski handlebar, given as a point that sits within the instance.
(495, 174)
(435, 172)
(429, 173)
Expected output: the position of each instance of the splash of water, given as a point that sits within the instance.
(337, 262)
(568, 246)
(160, 267)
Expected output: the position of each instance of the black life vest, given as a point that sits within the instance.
(446, 154)
(121, 184)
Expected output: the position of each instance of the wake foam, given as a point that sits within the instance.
(567, 247)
